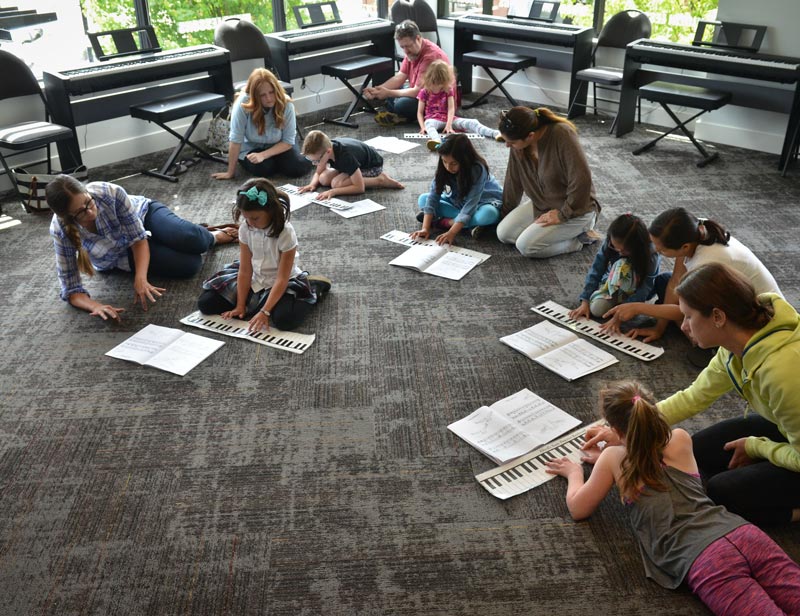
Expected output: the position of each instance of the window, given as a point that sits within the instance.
(673, 20)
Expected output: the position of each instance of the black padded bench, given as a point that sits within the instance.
(502, 60)
(160, 112)
(357, 66)
(665, 94)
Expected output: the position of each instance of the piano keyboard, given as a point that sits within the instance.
(636, 348)
(286, 341)
(528, 471)
(421, 136)
(401, 237)
(317, 31)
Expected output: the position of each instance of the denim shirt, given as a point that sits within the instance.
(484, 189)
(601, 266)
(244, 131)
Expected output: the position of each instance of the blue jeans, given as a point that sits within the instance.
(485, 216)
(405, 106)
(175, 244)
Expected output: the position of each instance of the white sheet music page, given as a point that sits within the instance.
(359, 208)
(513, 426)
(392, 145)
(165, 348)
(437, 261)
(559, 350)
(401, 237)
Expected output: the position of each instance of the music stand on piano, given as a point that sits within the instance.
(540, 10)
(118, 43)
(729, 35)
(317, 14)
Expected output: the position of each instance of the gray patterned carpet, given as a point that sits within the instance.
(327, 483)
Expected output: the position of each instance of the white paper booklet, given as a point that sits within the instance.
(513, 426)
(401, 237)
(559, 350)
(165, 348)
(357, 208)
(343, 208)
(438, 261)
(391, 144)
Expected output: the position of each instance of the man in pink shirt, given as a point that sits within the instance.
(401, 100)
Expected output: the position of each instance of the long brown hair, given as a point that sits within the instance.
(253, 106)
(676, 227)
(630, 409)
(519, 122)
(715, 285)
(59, 194)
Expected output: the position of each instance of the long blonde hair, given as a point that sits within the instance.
(438, 73)
(253, 106)
(631, 410)
(59, 194)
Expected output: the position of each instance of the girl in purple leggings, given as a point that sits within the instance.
(734, 567)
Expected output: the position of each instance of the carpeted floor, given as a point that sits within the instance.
(327, 483)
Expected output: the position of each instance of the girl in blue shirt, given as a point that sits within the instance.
(264, 131)
(624, 270)
(463, 193)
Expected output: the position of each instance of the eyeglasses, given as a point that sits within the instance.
(87, 205)
(313, 161)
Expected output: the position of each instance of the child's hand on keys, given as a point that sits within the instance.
(260, 322)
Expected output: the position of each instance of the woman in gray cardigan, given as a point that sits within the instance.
(547, 166)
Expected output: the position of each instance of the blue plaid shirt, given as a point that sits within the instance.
(119, 225)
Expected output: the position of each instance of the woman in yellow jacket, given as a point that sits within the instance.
(750, 464)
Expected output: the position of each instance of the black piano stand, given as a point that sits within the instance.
(707, 158)
(164, 172)
(359, 98)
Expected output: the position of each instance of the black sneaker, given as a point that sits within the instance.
(320, 284)
(420, 216)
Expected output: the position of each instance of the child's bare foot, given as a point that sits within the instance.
(384, 181)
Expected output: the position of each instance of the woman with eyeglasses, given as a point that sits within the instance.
(99, 227)
(548, 167)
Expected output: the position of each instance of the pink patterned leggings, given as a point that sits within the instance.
(745, 573)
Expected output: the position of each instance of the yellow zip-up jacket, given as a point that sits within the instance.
(766, 376)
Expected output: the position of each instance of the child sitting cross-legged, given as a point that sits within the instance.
(348, 166)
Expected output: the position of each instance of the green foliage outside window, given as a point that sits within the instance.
(179, 23)
(673, 20)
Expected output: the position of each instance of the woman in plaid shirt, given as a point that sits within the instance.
(99, 227)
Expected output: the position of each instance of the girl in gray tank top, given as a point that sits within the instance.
(731, 565)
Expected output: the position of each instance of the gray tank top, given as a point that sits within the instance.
(675, 526)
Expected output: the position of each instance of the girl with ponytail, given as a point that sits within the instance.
(692, 242)
(731, 565)
(99, 227)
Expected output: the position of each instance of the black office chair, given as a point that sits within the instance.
(418, 11)
(623, 28)
(19, 81)
(245, 41)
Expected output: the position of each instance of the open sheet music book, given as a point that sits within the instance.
(559, 350)
(343, 208)
(165, 348)
(438, 261)
(391, 144)
(513, 426)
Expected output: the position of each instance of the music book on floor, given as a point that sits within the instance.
(559, 350)
(345, 209)
(428, 257)
(165, 348)
(513, 426)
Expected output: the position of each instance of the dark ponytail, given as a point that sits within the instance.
(676, 227)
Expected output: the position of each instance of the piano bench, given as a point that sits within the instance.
(694, 97)
(357, 66)
(171, 108)
(502, 60)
